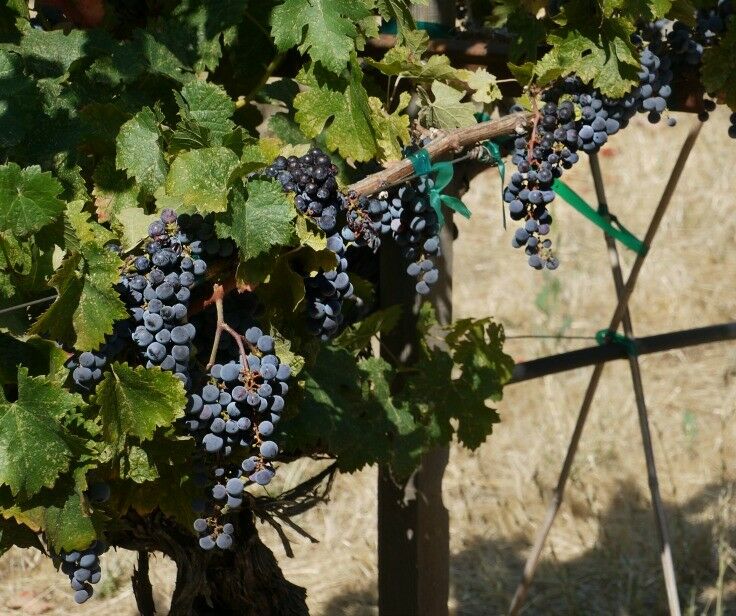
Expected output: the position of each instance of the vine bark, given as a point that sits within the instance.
(243, 581)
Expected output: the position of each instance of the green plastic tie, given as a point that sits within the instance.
(613, 228)
(606, 336)
(443, 173)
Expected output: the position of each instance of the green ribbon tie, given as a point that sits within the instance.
(443, 173)
(606, 336)
(612, 227)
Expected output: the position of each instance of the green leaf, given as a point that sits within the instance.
(485, 86)
(261, 219)
(137, 466)
(139, 150)
(399, 11)
(137, 401)
(343, 103)
(87, 305)
(358, 337)
(719, 67)
(209, 106)
(392, 129)
(28, 199)
(51, 53)
(595, 47)
(113, 191)
(39, 356)
(198, 179)
(446, 111)
(35, 449)
(132, 225)
(68, 525)
(14, 534)
(324, 28)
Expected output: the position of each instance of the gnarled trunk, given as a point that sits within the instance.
(244, 580)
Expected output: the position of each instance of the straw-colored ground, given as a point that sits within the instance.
(602, 556)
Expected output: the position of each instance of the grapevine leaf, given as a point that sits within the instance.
(599, 53)
(87, 305)
(51, 53)
(338, 416)
(136, 401)
(445, 110)
(68, 525)
(172, 493)
(137, 466)
(261, 219)
(35, 449)
(358, 337)
(198, 179)
(210, 24)
(112, 191)
(14, 534)
(398, 10)
(28, 199)
(39, 356)
(132, 225)
(323, 28)
(392, 129)
(20, 106)
(209, 106)
(485, 86)
(284, 127)
(719, 67)
(344, 102)
(139, 150)
(402, 61)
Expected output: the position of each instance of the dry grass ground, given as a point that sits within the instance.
(601, 557)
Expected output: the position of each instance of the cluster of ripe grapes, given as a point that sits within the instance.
(574, 118)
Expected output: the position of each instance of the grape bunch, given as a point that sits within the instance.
(198, 233)
(157, 288)
(312, 179)
(415, 227)
(367, 218)
(87, 367)
(83, 569)
(237, 410)
(574, 117)
(326, 291)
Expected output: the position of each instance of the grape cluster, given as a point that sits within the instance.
(415, 227)
(83, 569)
(238, 408)
(87, 367)
(326, 291)
(574, 118)
(198, 233)
(158, 288)
(367, 218)
(312, 179)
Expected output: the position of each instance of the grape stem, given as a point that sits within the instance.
(218, 295)
(451, 143)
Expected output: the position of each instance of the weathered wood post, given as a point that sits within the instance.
(413, 523)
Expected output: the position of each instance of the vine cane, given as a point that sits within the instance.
(533, 559)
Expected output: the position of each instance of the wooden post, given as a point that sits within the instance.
(413, 523)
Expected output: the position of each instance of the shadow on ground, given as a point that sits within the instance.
(618, 575)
